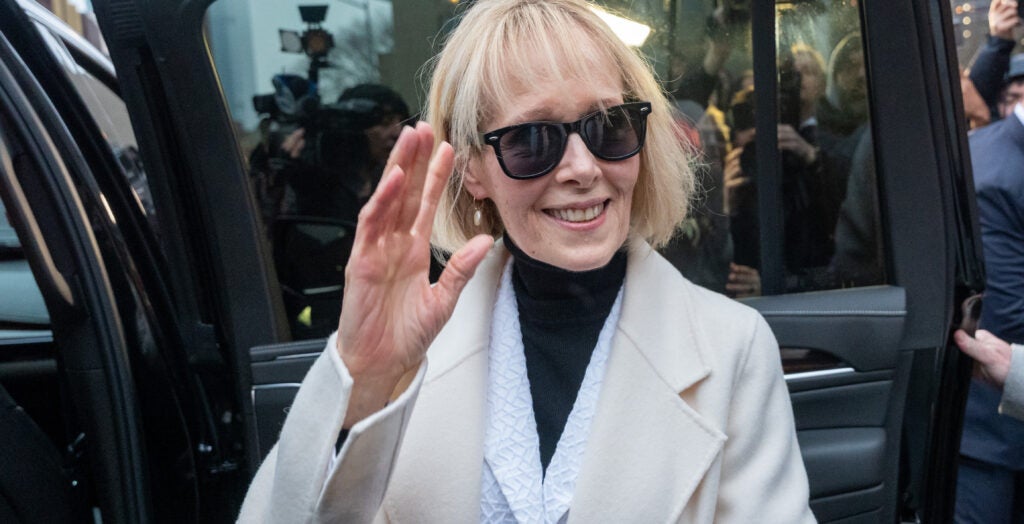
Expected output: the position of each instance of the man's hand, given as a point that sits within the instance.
(734, 180)
(1002, 18)
(294, 143)
(991, 354)
(790, 140)
(744, 281)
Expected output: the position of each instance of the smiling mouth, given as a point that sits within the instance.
(578, 215)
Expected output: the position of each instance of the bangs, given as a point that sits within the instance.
(536, 42)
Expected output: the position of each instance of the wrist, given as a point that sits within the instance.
(1003, 43)
(367, 397)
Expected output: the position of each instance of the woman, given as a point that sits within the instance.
(580, 377)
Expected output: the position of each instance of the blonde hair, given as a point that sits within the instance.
(497, 47)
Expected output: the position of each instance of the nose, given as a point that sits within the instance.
(578, 166)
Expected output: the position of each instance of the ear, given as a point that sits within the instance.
(473, 182)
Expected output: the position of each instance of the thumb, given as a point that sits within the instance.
(968, 344)
(461, 267)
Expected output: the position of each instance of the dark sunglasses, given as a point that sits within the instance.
(534, 149)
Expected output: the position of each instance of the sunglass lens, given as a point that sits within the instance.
(614, 134)
(531, 149)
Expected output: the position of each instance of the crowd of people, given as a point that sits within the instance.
(828, 194)
(990, 486)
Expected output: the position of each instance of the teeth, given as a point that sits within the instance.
(578, 215)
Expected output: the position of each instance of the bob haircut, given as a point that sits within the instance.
(497, 48)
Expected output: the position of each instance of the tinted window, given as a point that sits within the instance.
(317, 105)
(109, 113)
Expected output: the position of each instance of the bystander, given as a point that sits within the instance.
(990, 482)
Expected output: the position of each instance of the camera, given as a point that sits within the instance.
(295, 102)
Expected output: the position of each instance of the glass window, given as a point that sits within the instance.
(829, 201)
(318, 93)
(109, 113)
(25, 312)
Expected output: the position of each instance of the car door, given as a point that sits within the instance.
(107, 375)
(856, 242)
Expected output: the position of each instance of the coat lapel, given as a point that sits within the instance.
(653, 361)
(438, 474)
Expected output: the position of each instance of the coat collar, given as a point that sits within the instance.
(646, 441)
(655, 357)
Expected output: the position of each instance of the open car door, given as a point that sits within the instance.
(857, 251)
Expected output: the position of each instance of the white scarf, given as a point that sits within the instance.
(514, 486)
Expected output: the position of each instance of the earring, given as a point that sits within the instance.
(477, 215)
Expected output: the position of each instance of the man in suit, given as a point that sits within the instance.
(991, 483)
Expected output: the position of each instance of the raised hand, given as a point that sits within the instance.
(734, 180)
(1003, 18)
(391, 313)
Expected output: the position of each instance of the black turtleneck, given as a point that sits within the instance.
(561, 314)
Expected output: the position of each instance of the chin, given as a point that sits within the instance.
(585, 259)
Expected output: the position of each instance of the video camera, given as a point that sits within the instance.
(295, 102)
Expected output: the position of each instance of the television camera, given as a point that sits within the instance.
(295, 102)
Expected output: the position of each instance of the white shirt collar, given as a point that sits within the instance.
(1019, 111)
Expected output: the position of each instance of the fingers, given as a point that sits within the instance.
(992, 354)
(417, 170)
(294, 143)
(380, 212)
(983, 346)
(744, 281)
(404, 150)
(412, 156)
(436, 179)
(967, 344)
(1002, 19)
(461, 267)
(736, 180)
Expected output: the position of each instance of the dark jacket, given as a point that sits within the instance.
(997, 153)
(989, 71)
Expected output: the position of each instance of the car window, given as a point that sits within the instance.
(9, 245)
(317, 95)
(23, 312)
(110, 114)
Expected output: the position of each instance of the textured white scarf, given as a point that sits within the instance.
(514, 486)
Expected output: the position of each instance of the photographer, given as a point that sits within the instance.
(331, 163)
(337, 162)
(810, 194)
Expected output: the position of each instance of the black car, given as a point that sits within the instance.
(185, 289)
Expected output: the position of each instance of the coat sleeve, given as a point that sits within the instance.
(302, 480)
(1012, 403)
(766, 480)
(989, 69)
(1001, 216)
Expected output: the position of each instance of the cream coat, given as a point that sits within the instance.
(693, 422)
